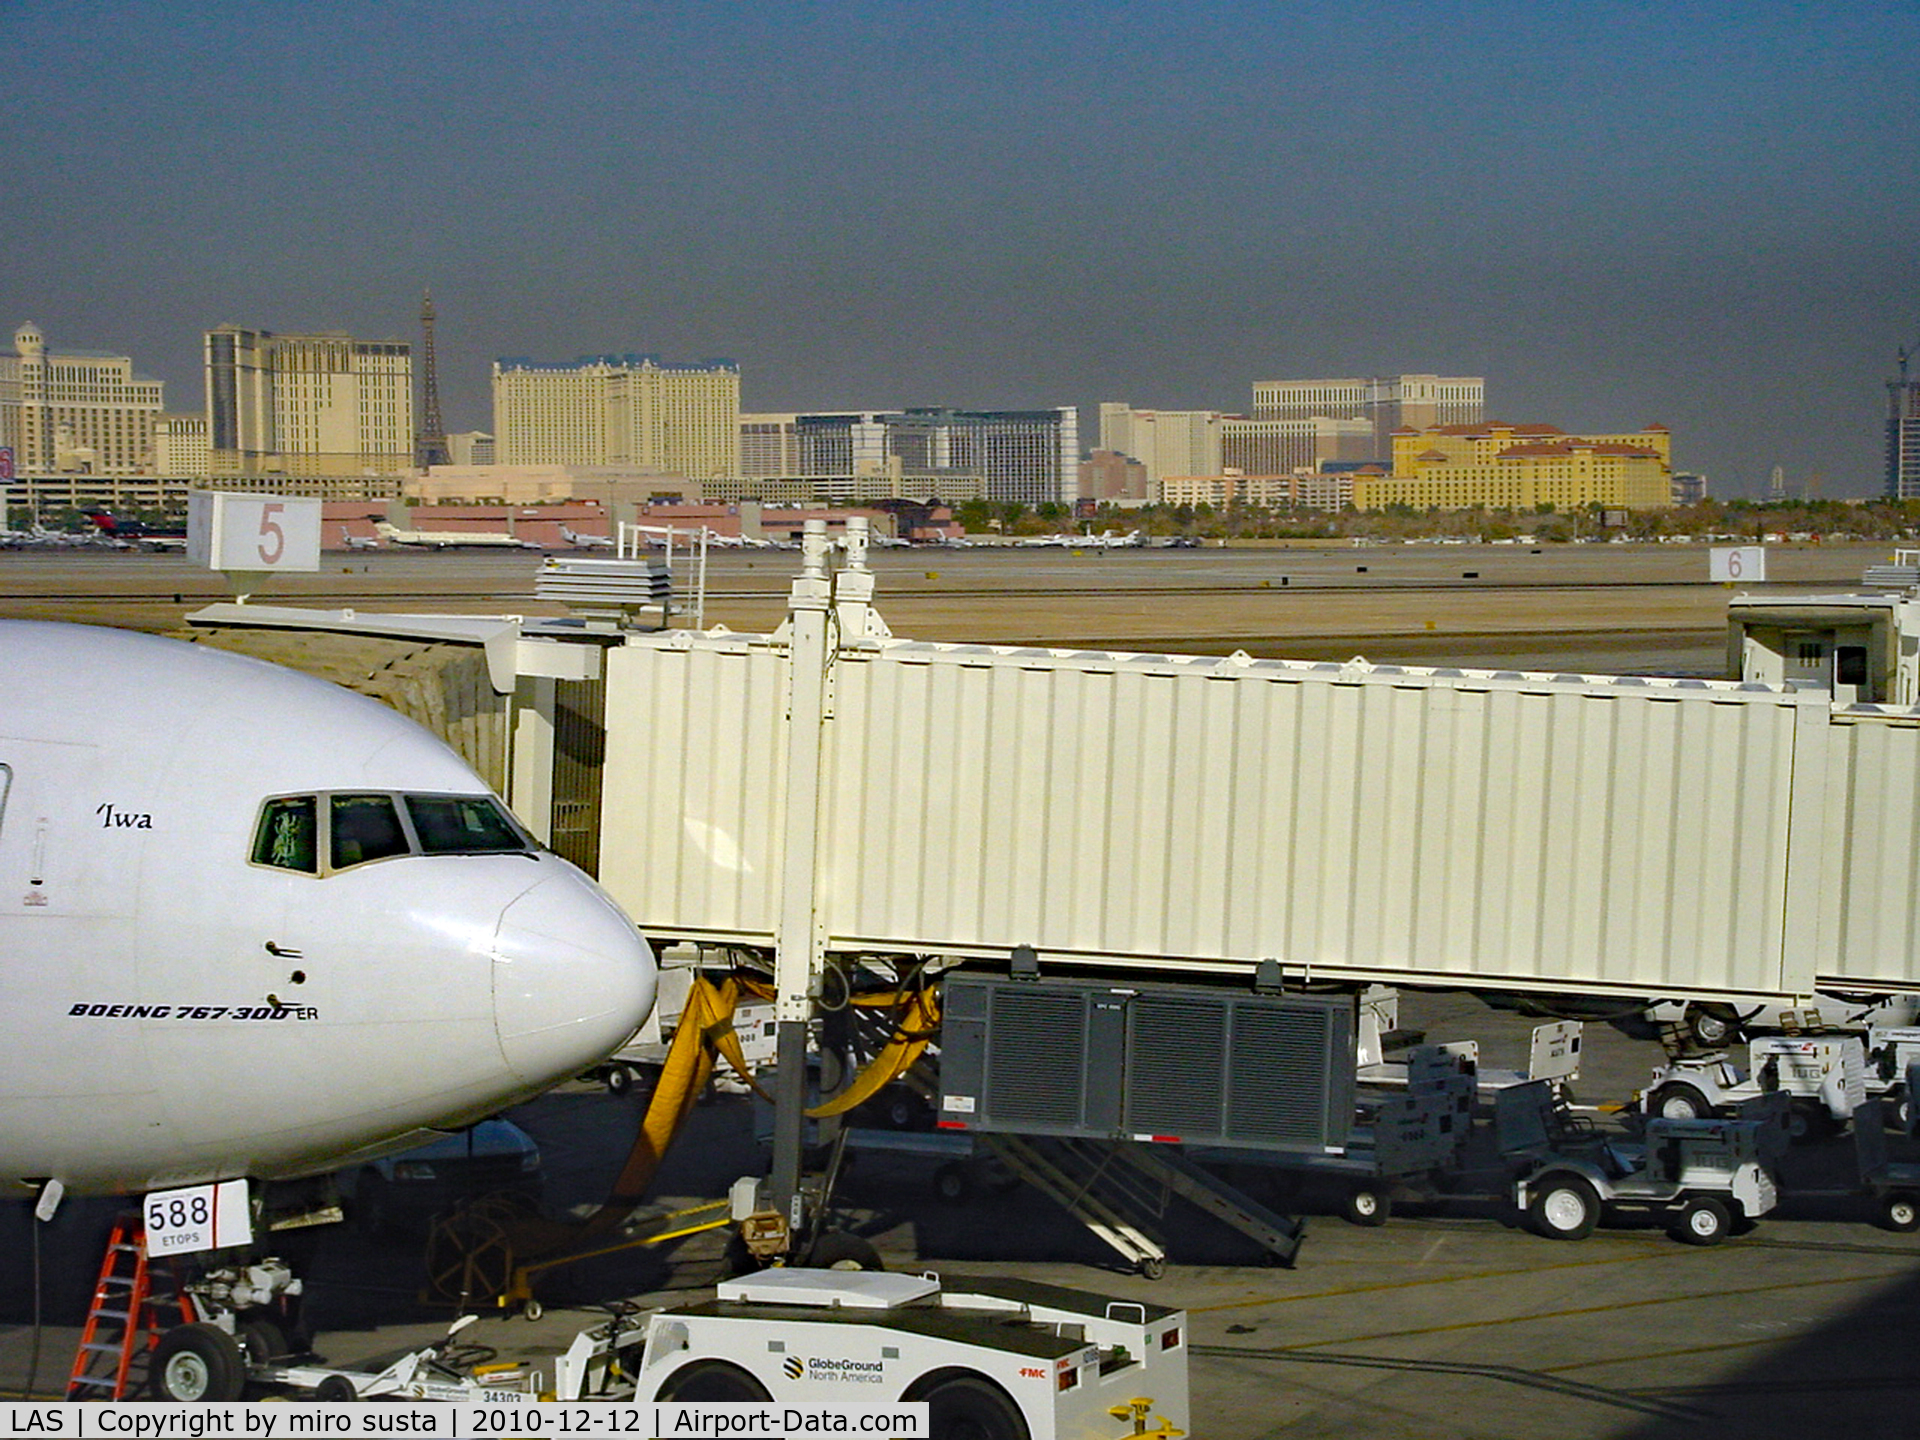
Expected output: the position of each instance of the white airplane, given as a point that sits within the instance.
(586, 542)
(451, 539)
(254, 925)
(357, 542)
(691, 534)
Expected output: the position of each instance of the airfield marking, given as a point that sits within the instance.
(1644, 1253)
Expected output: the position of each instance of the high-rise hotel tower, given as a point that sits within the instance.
(74, 411)
(307, 405)
(632, 410)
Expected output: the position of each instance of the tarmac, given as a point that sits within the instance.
(1450, 1320)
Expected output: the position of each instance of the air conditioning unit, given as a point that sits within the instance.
(1177, 1063)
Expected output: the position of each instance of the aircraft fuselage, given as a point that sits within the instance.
(253, 924)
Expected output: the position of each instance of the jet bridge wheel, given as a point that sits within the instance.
(1712, 1026)
(839, 1250)
(198, 1362)
(1564, 1207)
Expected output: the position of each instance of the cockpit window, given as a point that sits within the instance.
(285, 839)
(462, 824)
(363, 828)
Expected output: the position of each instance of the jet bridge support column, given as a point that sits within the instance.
(530, 746)
(798, 944)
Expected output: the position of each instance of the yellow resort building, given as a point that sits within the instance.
(1521, 467)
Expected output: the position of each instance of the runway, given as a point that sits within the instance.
(1600, 609)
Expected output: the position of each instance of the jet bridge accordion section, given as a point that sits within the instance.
(1487, 829)
(1185, 1064)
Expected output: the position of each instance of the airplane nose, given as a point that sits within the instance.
(572, 979)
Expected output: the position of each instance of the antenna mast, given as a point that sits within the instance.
(430, 441)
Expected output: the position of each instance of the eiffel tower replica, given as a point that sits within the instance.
(430, 441)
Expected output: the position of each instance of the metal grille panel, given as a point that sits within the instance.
(1036, 1056)
(1175, 1047)
(1276, 1067)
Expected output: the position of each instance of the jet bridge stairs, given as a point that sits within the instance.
(1121, 1192)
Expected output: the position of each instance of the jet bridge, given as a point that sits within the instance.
(834, 788)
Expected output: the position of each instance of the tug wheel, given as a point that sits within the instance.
(713, 1380)
(1704, 1221)
(965, 1406)
(1678, 1102)
(1367, 1205)
(1564, 1207)
(1900, 1211)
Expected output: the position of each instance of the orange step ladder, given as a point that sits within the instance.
(132, 1304)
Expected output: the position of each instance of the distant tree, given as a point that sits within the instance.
(975, 516)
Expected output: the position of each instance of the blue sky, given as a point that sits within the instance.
(1704, 215)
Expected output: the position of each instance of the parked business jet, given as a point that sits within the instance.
(581, 541)
(252, 924)
(357, 542)
(452, 539)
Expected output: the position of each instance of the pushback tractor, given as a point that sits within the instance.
(998, 1359)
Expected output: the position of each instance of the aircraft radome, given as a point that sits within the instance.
(252, 924)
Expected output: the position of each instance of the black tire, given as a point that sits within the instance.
(1896, 1110)
(1151, 1267)
(969, 1407)
(261, 1341)
(905, 1109)
(953, 1183)
(1366, 1204)
(1809, 1122)
(619, 1080)
(1712, 1027)
(1703, 1220)
(837, 1250)
(335, 1390)
(1564, 1207)
(713, 1380)
(1900, 1211)
(198, 1362)
(1678, 1101)
(737, 1260)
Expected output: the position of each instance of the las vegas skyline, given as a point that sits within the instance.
(1696, 215)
